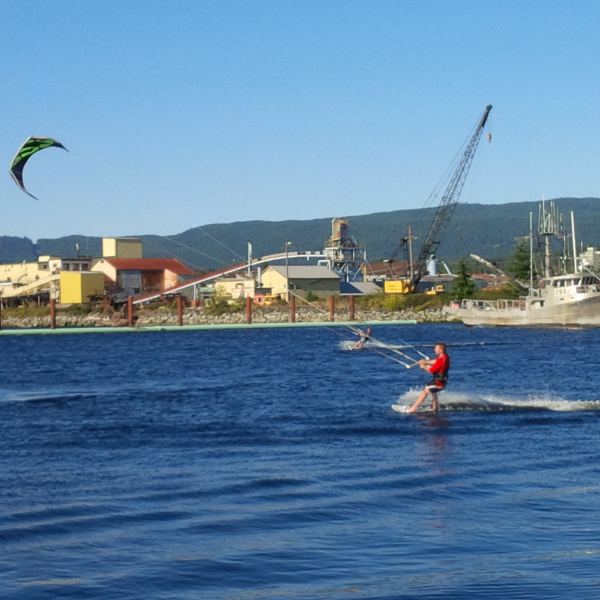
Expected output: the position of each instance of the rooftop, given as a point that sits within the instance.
(150, 264)
(305, 272)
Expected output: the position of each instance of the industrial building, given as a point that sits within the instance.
(121, 270)
(133, 276)
(301, 280)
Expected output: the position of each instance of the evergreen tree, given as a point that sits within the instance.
(463, 286)
(518, 265)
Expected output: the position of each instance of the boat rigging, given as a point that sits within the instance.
(571, 298)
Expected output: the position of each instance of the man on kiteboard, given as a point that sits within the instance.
(364, 337)
(438, 367)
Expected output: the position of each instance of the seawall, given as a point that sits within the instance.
(198, 318)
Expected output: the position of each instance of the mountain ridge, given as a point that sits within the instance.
(490, 230)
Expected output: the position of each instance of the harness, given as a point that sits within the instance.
(441, 377)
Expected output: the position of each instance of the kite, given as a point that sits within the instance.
(29, 147)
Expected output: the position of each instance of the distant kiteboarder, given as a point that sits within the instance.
(28, 149)
(363, 338)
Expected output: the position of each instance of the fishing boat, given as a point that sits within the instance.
(571, 299)
(561, 300)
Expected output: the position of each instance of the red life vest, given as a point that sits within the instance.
(439, 369)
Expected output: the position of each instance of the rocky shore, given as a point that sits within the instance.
(165, 316)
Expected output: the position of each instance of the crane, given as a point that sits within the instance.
(448, 203)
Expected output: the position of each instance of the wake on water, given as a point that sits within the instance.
(465, 402)
(456, 402)
(376, 344)
(372, 344)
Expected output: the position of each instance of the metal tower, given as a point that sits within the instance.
(343, 254)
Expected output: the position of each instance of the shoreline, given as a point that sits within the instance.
(182, 328)
(193, 320)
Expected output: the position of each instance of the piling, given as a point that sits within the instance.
(331, 304)
(248, 310)
(179, 310)
(52, 313)
(130, 311)
(351, 308)
(292, 304)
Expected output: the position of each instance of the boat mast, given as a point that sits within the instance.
(548, 227)
(530, 252)
(574, 242)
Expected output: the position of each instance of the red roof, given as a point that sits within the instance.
(150, 264)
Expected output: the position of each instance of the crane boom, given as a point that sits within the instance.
(448, 202)
(488, 264)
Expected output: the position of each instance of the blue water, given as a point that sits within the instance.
(251, 464)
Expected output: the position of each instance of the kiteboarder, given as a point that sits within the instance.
(364, 337)
(438, 367)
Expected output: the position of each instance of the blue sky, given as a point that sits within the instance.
(177, 114)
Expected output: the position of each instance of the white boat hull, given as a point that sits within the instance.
(581, 310)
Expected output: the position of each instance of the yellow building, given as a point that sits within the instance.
(236, 287)
(24, 273)
(320, 281)
(121, 248)
(76, 287)
(19, 273)
(30, 278)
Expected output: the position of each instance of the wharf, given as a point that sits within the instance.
(204, 327)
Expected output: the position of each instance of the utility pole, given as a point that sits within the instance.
(410, 254)
(287, 271)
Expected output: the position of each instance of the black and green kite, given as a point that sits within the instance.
(30, 147)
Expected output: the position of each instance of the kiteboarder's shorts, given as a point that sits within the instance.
(435, 386)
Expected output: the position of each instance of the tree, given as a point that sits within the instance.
(463, 286)
(519, 264)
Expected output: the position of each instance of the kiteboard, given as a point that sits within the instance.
(401, 408)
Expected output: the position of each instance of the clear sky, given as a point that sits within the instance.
(178, 114)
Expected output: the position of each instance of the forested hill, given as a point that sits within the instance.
(488, 230)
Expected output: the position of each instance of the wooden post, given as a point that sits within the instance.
(179, 310)
(52, 313)
(292, 304)
(0, 314)
(130, 311)
(351, 308)
(248, 310)
(331, 303)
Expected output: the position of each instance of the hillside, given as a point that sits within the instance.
(487, 230)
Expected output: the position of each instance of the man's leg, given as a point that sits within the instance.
(418, 401)
(434, 401)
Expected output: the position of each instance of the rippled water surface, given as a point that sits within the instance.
(267, 463)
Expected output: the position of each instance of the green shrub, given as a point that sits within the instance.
(77, 309)
(220, 306)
